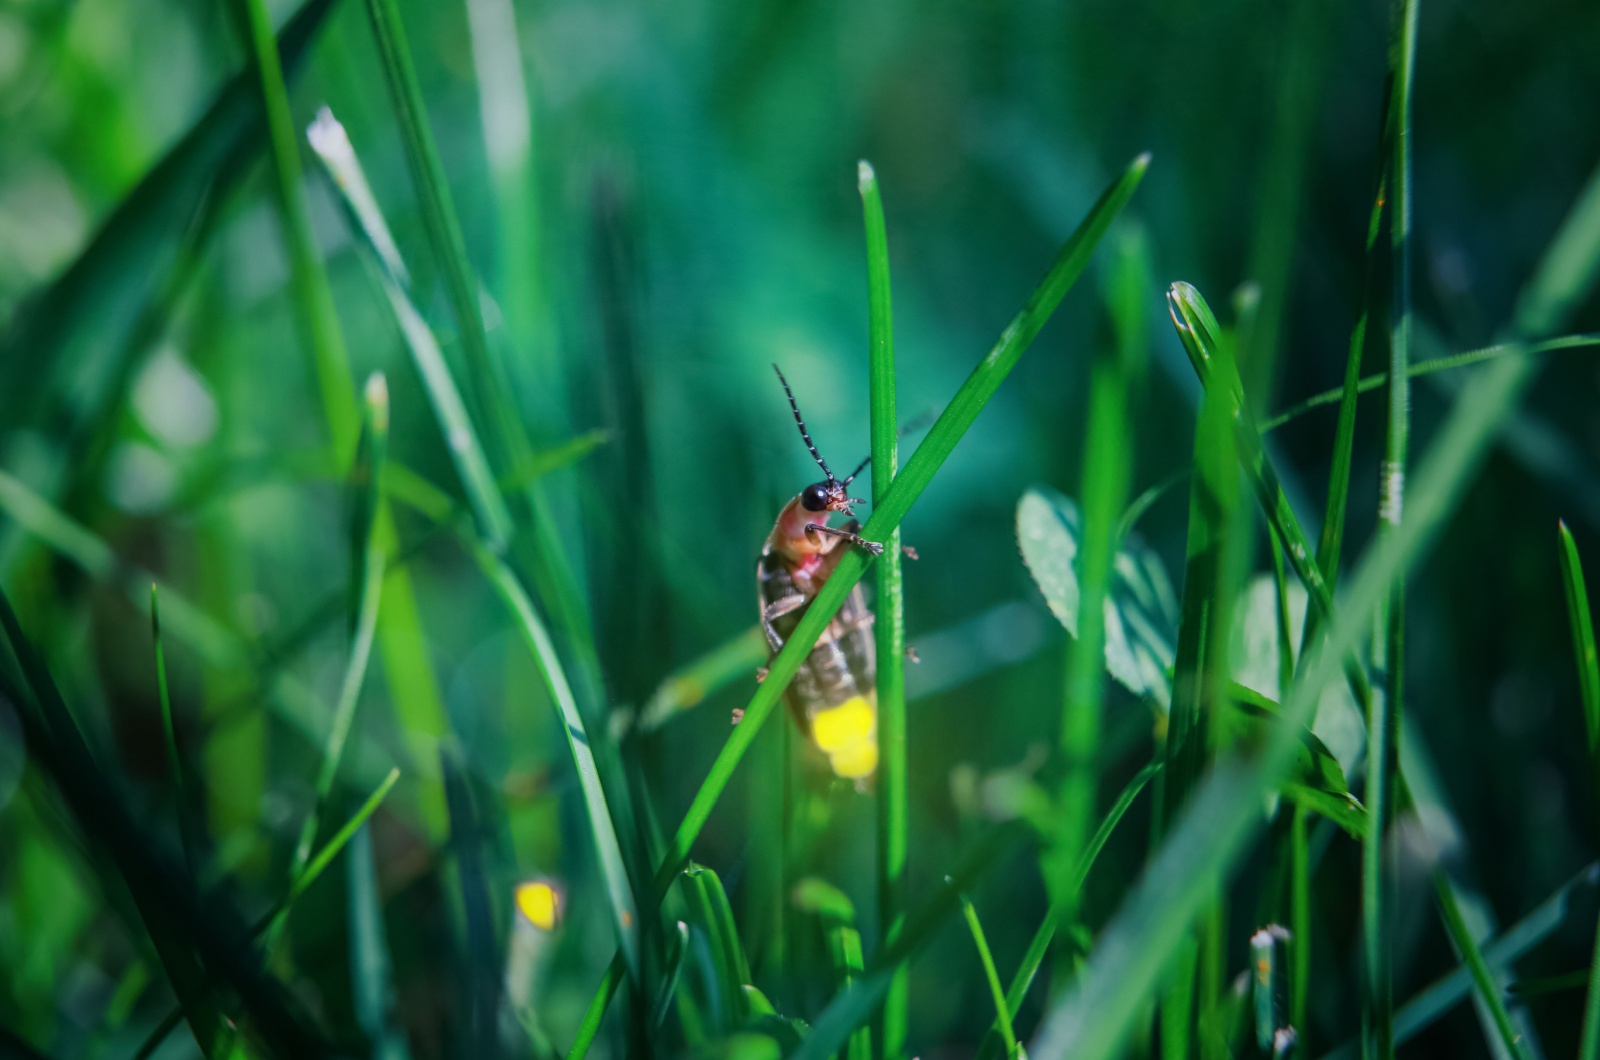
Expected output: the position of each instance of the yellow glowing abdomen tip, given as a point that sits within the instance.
(848, 734)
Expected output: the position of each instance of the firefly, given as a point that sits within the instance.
(833, 696)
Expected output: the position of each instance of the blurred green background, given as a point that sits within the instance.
(660, 200)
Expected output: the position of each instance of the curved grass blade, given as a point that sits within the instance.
(624, 911)
(1008, 1034)
(332, 146)
(889, 630)
(837, 917)
(908, 485)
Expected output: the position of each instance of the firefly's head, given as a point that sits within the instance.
(829, 495)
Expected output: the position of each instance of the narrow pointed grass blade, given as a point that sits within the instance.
(889, 629)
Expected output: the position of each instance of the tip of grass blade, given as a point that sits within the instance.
(866, 177)
(377, 394)
(1140, 164)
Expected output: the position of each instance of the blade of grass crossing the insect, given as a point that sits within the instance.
(187, 832)
(307, 276)
(1583, 647)
(368, 591)
(1383, 716)
(889, 629)
(1136, 946)
(1002, 1011)
(907, 486)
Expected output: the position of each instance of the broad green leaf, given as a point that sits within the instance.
(1141, 612)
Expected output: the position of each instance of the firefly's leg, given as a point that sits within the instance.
(855, 539)
(783, 605)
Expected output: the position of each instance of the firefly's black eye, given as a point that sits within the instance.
(814, 498)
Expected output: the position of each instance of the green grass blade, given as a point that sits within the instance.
(855, 1006)
(188, 831)
(624, 911)
(1483, 980)
(1583, 644)
(1002, 1011)
(893, 843)
(838, 919)
(1383, 713)
(306, 273)
(368, 569)
(708, 908)
(1418, 369)
(332, 146)
(1115, 376)
(1034, 957)
(371, 971)
(1583, 647)
(1135, 948)
(689, 686)
(908, 485)
(438, 209)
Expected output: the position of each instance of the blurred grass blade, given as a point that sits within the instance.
(668, 989)
(908, 485)
(307, 276)
(368, 566)
(1002, 1011)
(624, 912)
(1136, 946)
(708, 906)
(889, 630)
(686, 688)
(188, 828)
(1583, 647)
(332, 146)
(837, 917)
(1418, 369)
(371, 972)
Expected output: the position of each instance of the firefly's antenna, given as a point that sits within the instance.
(859, 468)
(802, 423)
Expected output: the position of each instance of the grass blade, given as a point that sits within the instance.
(908, 485)
(1002, 1012)
(306, 274)
(893, 844)
(332, 146)
(838, 920)
(371, 971)
(624, 912)
(1583, 647)
(368, 582)
(1489, 991)
(188, 831)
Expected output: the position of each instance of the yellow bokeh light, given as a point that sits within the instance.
(540, 903)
